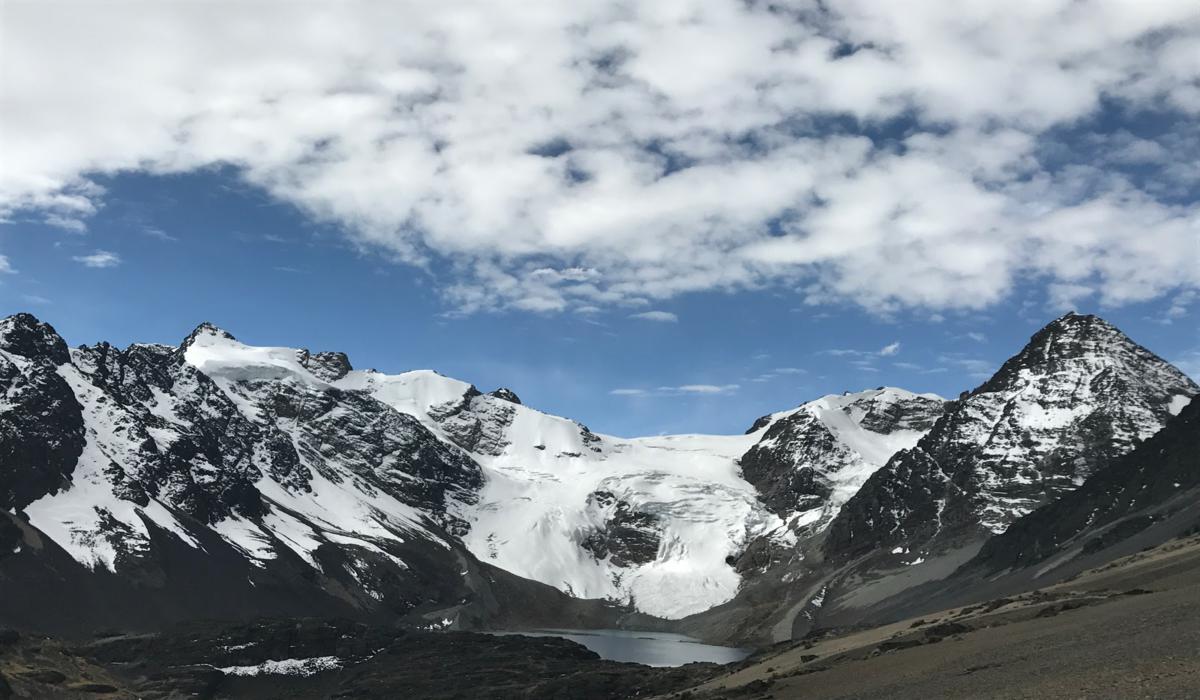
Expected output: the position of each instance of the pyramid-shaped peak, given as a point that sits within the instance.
(1082, 346)
(1072, 322)
(205, 328)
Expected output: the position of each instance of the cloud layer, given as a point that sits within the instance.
(554, 156)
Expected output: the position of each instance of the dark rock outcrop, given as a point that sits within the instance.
(628, 536)
(41, 426)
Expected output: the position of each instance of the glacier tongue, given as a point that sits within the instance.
(544, 475)
(654, 522)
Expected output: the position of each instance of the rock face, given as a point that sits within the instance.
(1116, 502)
(41, 423)
(476, 422)
(134, 461)
(627, 537)
(1078, 396)
(809, 461)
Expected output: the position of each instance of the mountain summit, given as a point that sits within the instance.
(1078, 395)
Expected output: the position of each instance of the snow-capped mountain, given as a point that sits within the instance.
(811, 460)
(1078, 395)
(283, 452)
(274, 478)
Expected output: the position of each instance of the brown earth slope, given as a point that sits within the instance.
(1129, 629)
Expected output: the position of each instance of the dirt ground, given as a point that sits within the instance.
(1130, 629)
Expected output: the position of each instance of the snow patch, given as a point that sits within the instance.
(286, 667)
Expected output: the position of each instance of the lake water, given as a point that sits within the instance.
(649, 648)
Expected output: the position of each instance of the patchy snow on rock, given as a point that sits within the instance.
(286, 667)
(810, 460)
(87, 518)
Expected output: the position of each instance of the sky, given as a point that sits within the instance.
(651, 217)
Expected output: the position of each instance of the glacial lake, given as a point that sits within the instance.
(648, 648)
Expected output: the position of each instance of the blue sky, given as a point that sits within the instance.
(713, 208)
(204, 247)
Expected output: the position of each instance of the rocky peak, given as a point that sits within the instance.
(41, 427)
(24, 335)
(329, 366)
(808, 461)
(1076, 343)
(505, 394)
(1078, 395)
(205, 328)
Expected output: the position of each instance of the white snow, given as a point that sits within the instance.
(1178, 403)
(863, 451)
(286, 667)
(79, 517)
(413, 392)
(533, 511)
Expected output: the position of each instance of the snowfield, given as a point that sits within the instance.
(550, 489)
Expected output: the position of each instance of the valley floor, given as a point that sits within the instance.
(1130, 629)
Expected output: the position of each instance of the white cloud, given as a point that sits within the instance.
(155, 232)
(595, 154)
(686, 389)
(703, 388)
(99, 259)
(659, 316)
(890, 349)
(1178, 307)
(6, 266)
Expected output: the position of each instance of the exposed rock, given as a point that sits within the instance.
(329, 366)
(1112, 505)
(41, 422)
(505, 394)
(1077, 396)
(628, 536)
(809, 461)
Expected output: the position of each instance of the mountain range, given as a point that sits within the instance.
(158, 483)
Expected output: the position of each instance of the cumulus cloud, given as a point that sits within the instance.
(593, 154)
(890, 349)
(99, 259)
(659, 316)
(5, 266)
